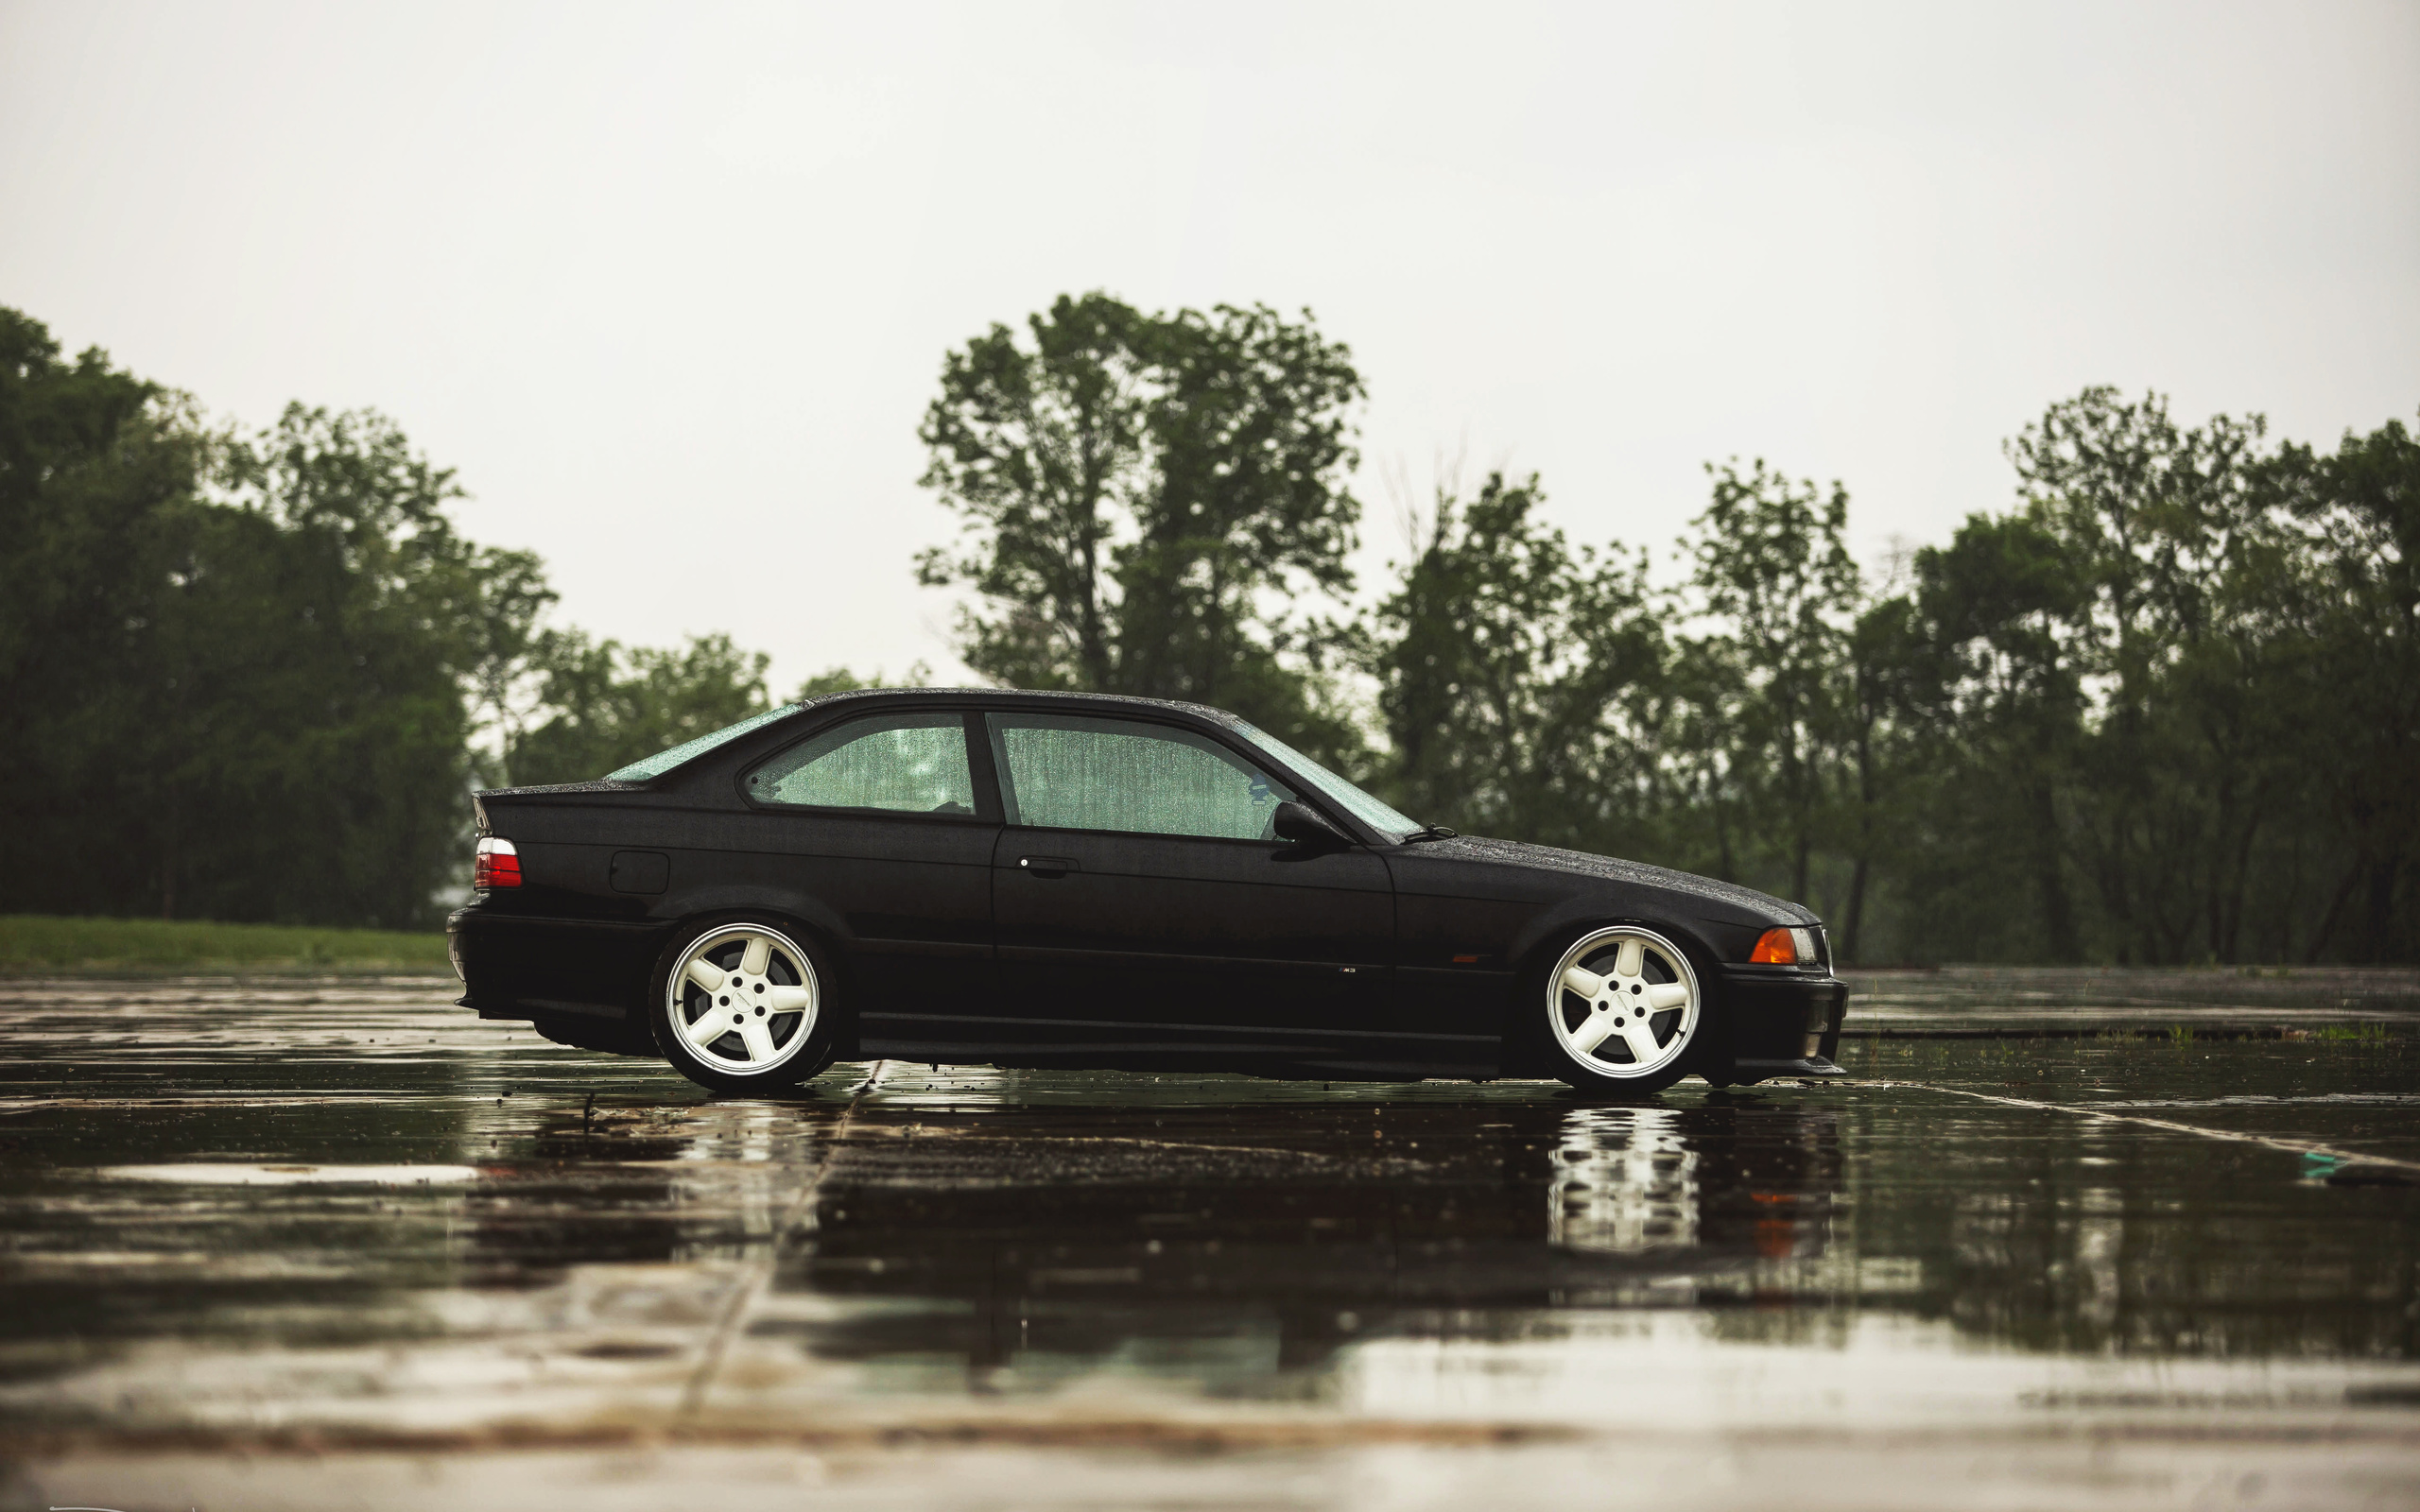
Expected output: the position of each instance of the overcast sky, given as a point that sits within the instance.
(671, 286)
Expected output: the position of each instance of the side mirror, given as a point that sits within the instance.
(1302, 824)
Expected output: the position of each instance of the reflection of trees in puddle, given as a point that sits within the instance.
(1024, 1255)
(708, 1183)
(744, 1166)
(1236, 1247)
(1243, 1247)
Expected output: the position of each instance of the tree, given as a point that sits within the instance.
(1998, 607)
(1511, 671)
(1886, 667)
(252, 674)
(232, 662)
(2359, 513)
(310, 634)
(1771, 562)
(609, 705)
(2179, 770)
(91, 458)
(1144, 500)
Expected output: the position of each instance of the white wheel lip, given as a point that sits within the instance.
(723, 935)
(1691, 1012)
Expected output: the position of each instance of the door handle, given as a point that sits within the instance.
(1047, 865)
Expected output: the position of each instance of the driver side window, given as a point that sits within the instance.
(904, 763)
(1067, 772)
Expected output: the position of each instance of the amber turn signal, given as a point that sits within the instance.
(1774, 948)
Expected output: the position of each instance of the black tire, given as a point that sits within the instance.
(761, 1052)
(1686, 1035)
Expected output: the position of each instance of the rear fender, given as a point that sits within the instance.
(692, 906)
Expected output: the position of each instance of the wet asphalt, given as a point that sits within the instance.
(2066, 1240)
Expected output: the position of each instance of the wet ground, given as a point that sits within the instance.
(2069, 1239)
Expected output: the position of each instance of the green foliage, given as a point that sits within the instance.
(1509, 669)
(218, 655)
(2354, 612)
(606, 705)
(1772, 566)
(612, 705)
(253, 676)
(2165, 710)
(1144, 499)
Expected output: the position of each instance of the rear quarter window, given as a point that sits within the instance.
(902, 763)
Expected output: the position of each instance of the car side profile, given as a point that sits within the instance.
(1061, 880)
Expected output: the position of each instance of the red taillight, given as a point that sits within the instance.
(498, 865)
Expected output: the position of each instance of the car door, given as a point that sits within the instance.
(1141, 898)
(879, 820)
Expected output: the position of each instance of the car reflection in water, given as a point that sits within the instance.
(1236, 1248)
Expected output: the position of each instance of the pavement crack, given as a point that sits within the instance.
(2171, 1125)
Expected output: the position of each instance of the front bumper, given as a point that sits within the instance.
(1783, 1022)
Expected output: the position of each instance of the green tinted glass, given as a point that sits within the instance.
(1361, 805)
(1070, 773)
(912, 762)
(663, 761)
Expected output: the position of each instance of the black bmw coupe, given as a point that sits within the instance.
(1030, 879)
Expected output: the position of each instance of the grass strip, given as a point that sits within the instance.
(31, 943)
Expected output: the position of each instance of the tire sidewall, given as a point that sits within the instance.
(812, 1058)
(1706, 1054)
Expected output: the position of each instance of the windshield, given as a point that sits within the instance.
(663, 761)
(1361, 805)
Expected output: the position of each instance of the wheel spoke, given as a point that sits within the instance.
(788, 999)
(706, 1027)
(1662, 995)
(705, 973)
(1640, 1036)
(1632, 955)
(759, 952)
(760, 1040)
(1596, 1031)
(1582, 981)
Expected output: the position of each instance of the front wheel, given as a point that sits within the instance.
(741, 1007)
(1624, 1012)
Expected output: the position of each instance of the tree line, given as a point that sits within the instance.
(2162, 707)
(255, 674)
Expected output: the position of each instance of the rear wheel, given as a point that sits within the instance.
(742, 1007)
(1625, 1013)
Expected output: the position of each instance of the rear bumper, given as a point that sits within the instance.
(1783, 1022)
(520, 966)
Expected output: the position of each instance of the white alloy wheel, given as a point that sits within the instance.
(742, 1000)
(1624, 1003)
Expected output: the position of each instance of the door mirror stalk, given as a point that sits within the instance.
(1303, 825)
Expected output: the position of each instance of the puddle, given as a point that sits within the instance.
(465, 1243)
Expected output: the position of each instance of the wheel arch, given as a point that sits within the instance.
(1546, 940)
(794, 913)
(1553, 930)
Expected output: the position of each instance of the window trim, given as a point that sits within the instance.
(997, 755)
(987, 797)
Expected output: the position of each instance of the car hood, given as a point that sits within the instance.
(1581, 863)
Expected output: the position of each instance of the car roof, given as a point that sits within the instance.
(1040, 697)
